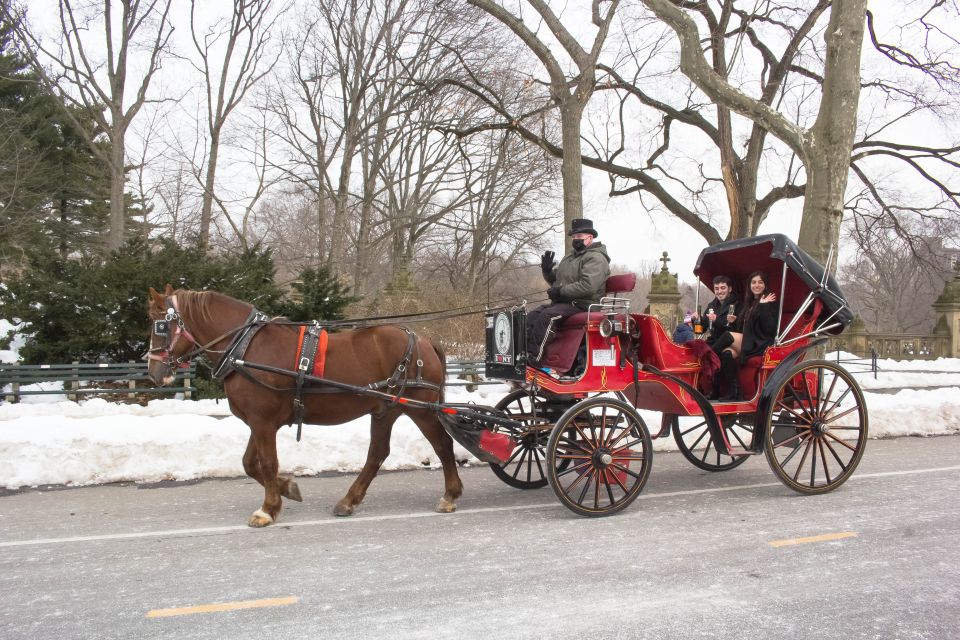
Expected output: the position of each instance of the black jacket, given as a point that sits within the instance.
(760, 328)
(719, 326)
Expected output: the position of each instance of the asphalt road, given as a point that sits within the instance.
(699, 555)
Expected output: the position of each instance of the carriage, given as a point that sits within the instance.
(576, 427)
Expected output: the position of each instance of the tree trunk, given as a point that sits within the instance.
(206, 212)
(571, 168)
(830, 140)
(117, 183)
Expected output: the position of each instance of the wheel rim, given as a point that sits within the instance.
(817, 428)
(697, 445)
(526, 467)
(599, 457)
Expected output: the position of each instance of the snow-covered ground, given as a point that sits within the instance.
(50, 440)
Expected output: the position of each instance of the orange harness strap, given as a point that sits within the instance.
(321, 360)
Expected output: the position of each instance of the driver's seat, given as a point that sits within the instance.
(561, 351)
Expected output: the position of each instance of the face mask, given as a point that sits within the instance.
(578, 245)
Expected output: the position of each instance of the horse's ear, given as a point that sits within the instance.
(156, 297)
(168, 291)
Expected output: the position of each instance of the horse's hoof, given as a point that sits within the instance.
(260, 518)
(292, 492)
(343, 509)
(445, 506)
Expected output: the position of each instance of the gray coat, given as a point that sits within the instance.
(582, 276)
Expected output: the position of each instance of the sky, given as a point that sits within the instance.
(48, 440)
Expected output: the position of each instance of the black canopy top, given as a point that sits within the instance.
(737, 259)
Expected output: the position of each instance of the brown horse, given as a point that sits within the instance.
(206, 322)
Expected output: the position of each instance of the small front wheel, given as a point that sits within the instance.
(599, 456)
(816, 429)
(526, 468)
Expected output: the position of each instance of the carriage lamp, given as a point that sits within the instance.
(609, 326)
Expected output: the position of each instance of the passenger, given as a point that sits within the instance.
(577, 282)
(720, 310)
(759, 322)
(684, 331)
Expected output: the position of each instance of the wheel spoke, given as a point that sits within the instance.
(606, 482)
(805, 436)
(732, 432)
(803, 459)
(823, 460)
(697, 441)
(588, 476)
(813, 464)
(523, 457)
(806, 417)
(845, 413)
(697, 426)
(836, 403)
(579, 467)
(792, 412)
(843, 442)
(825, 397)
(843, 467)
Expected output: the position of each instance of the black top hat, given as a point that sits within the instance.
(582, 225)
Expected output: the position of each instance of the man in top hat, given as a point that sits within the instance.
(576, 283)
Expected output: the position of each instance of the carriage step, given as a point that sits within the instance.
(740, 451)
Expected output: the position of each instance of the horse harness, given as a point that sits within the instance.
(310, 359)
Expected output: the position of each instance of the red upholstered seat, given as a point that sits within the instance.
(561, 351)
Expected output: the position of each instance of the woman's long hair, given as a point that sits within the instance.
(751, 301)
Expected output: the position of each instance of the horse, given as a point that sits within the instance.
(187, 323)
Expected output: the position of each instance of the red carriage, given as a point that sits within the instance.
(581, 432)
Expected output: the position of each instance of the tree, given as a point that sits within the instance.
(244, 61)
(55, 191)
(569, 95)
(89, 309)
(97, 88)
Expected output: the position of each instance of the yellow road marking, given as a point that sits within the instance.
(223, 606)
(824, 538)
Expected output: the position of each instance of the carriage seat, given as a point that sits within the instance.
(750, 368)
(561, 351)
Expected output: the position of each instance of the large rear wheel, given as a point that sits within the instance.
(599, 456)
(696, 444)
(816, 429)
(526, 467)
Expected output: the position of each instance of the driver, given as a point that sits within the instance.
(576, 283)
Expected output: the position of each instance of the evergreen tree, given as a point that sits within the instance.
(53, 192)
(321, 296)
(88, 309)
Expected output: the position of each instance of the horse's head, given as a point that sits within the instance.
(169, 339)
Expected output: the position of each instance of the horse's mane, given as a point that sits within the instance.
(197, 304)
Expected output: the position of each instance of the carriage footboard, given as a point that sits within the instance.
(479, 430)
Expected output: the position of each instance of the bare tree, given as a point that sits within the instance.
(242, 42)
(893, 280)
(569, 95)
(73, 70)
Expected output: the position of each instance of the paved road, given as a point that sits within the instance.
(692, 558)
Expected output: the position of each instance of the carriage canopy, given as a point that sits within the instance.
(737, 259)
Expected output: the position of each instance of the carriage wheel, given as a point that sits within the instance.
(696, 444)
(526, 468)
(599, 456)
(816, 430)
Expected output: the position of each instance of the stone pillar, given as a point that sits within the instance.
(947, 307)
(857, 337)
(664, 297)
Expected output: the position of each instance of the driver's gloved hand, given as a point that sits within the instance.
(546, 263)
(554, 294)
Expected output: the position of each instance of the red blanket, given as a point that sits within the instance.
(709, 364)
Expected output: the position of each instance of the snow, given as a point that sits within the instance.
(50, 440)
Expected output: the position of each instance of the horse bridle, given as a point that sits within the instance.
(161, 329)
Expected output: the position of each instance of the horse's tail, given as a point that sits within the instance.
(443, 366)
